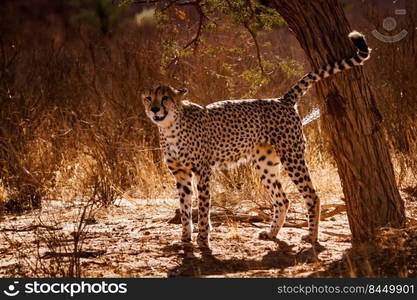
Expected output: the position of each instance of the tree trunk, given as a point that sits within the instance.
(350, 118)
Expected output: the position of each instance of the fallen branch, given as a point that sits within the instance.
(81, 254)
(220, 215)
(31, 228)
(338, 208)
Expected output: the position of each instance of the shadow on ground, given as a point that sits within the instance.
(393, 254)
(209, 265)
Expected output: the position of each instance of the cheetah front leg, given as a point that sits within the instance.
(183, 178)
(203, 187)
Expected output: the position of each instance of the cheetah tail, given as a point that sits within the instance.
(299, 89)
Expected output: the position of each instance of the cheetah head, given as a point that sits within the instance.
(161, 104)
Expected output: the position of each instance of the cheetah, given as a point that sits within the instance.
(267, 132)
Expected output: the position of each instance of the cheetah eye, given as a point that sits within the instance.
(165, 98)
(149, 99)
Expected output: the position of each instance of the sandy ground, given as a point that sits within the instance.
(135, 239)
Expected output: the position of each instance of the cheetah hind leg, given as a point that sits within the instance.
(266, 163)
(297, 170)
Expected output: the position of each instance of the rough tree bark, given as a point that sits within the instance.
(350, 118)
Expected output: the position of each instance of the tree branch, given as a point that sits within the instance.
(258, 50)
(251, 31)
(196, 40)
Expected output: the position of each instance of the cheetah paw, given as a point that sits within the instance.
(186, 240)
(203, 243)
(313, 241)
(308, 239)
(265, 235)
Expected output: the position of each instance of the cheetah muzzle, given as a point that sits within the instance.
(158, 119)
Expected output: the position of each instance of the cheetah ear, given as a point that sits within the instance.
(182, 92)
(144, 93)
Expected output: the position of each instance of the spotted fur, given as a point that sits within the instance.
(266, 132)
